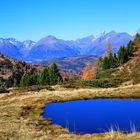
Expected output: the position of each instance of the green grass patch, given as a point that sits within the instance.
(44, 122)
(73, 85)
(32, 88)
(4, 90)
(101, 83)
(105, 74)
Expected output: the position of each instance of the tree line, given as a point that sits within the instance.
(49, 76)
(113, 60)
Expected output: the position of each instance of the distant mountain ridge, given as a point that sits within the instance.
(15, 49)
(72, 64)
(50, 47)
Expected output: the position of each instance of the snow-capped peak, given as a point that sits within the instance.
(28, 44)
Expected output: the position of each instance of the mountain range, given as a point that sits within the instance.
(50, 47)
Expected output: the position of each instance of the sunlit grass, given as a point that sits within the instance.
(20, 113)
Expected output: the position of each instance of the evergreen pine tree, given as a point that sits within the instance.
(122, 55)
(105, 64)
(137, 39)
(44, 78)
(25, 80)
(130, 49)
(54, 74)
(111, 61)
(116, 60)
(34, 79)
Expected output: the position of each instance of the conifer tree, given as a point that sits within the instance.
(25, 80)
(137, 39)
(105, 64)
(111, 60)
(34, 79)
(130, 49)
(122, 55)
(44, 78)
(54, 74)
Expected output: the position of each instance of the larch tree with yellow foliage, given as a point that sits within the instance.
(89, 73)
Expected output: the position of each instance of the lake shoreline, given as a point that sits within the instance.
(24, 110)
(73, 115)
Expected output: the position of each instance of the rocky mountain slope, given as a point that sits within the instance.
(50, 48)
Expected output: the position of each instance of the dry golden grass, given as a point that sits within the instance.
(20, 113)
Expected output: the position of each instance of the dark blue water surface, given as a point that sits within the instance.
(95, 116)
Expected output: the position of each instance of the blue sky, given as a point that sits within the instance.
(67, 19)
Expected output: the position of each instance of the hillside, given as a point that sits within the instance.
(130, 71)
(11, 70)
(72, 64)
(125, 68)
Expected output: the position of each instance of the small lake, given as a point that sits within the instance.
(95, 116)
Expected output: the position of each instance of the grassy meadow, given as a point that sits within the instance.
(21, 116)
